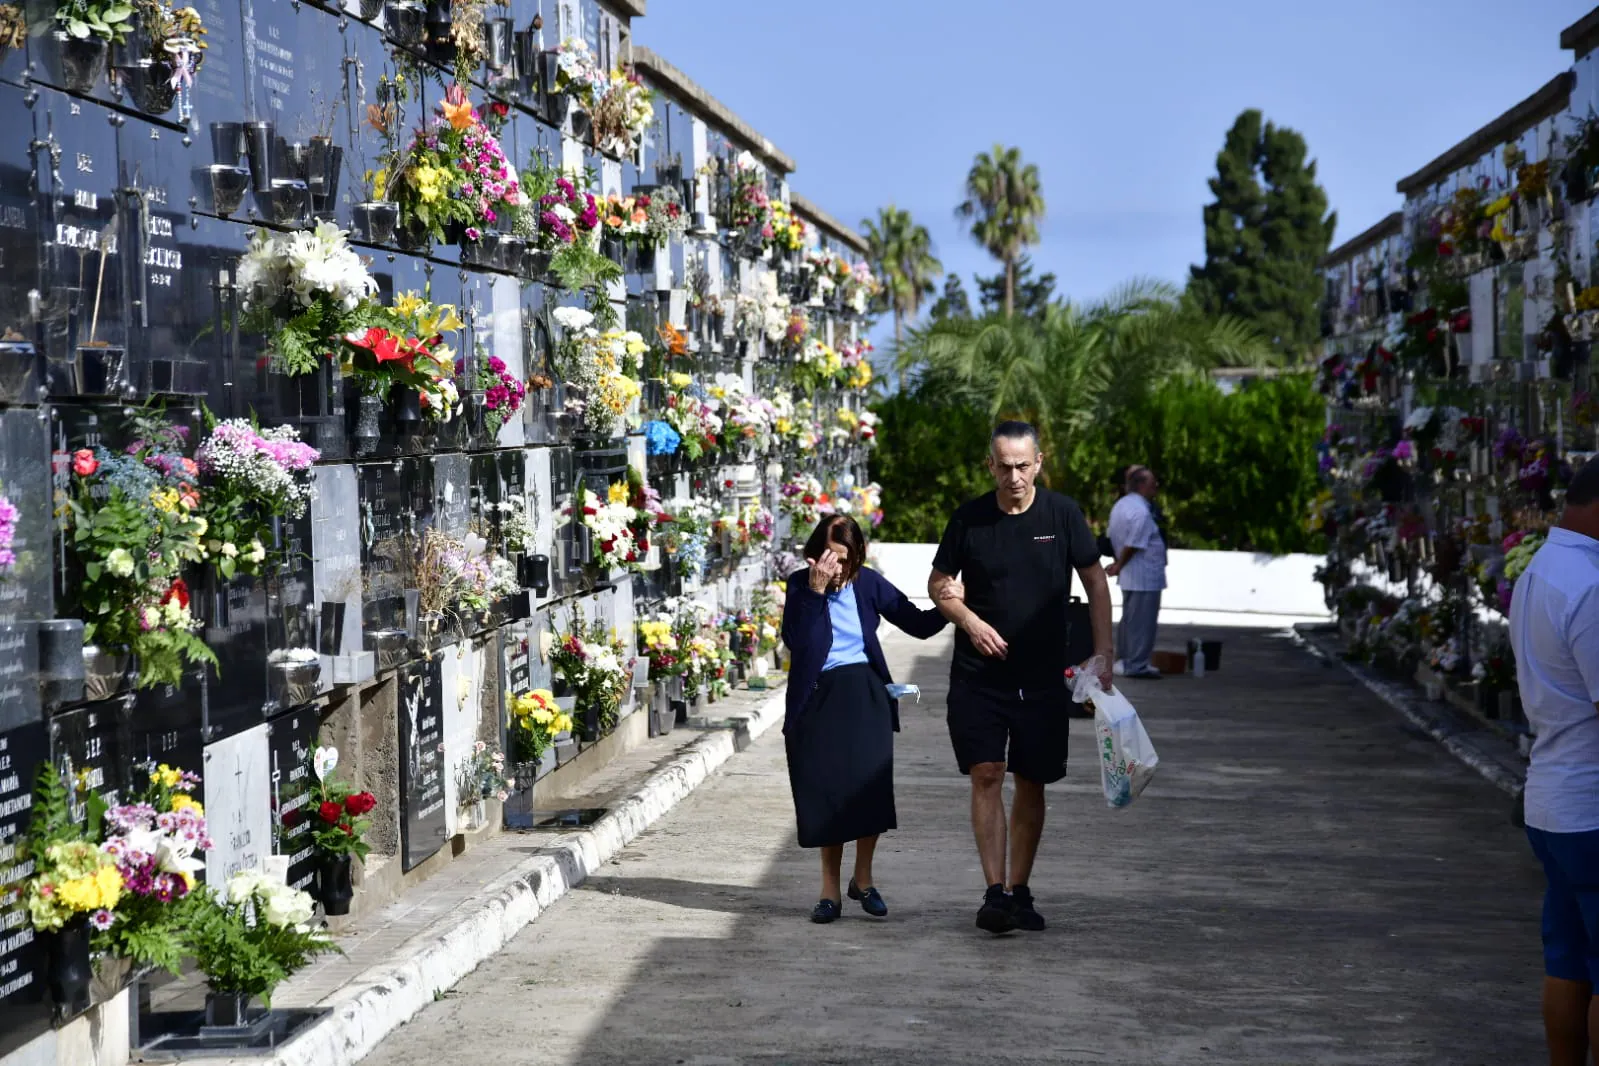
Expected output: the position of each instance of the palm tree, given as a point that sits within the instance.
(1005, 200)
(901, 253)
(1077, 364)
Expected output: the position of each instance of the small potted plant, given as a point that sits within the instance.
(339, 825)
(85, 31)
(248, 937)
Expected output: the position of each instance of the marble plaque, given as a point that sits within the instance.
(291, 739)
(238, 807)
(22, 751)
(422, 761)
(336, 558)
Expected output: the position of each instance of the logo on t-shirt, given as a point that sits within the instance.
(1045, 539)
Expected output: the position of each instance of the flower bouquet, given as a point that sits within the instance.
(805, 502)
(568, 226)
(658, 640)
(404, 346)
(454, 181)
(339, 825)
(684, 533)
(131, 523)
(594, 665)
(788, 229)
(502, 392)
(622, 113)
(249, 936)
(153, 842)
(594, 364)
(254, 477)
(611, 526)
(303, 290)
(688, 412)
(481, 776)
(578, 74)
(749, 205)
(817, 366)
(536, 720)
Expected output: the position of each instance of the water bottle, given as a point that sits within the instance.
(1196, 653)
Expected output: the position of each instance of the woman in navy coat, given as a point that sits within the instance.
(840, 723)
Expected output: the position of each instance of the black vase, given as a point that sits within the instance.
(588, 725)
(69, 972)
(333, 887)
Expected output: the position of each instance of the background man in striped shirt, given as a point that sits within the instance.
(1140, 570)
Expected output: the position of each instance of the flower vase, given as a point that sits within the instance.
(150, 85)
(476, 816)
(82, 61)
(588, 724)
(104, 670)
(334, 889)
(111, 976)
(369, 409)
(376, 220)
(371, 9)
(69, 974)
(227, 1010)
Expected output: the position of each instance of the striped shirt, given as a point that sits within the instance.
(1132, 525)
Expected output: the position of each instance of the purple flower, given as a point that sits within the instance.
(473, 233)
(102, 920)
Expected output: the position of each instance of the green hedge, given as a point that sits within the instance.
(1238, 469)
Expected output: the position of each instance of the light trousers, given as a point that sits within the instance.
(1135, 637)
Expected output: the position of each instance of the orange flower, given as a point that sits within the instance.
(458, 109)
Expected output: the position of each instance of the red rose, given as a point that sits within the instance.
(331, 812)
(84, 463)
(349, 831)
(179, 592)
(359, 803)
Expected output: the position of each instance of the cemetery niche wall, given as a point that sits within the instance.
(1457, 366)
(398, 402)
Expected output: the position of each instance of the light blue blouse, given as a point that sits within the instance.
(849, 643)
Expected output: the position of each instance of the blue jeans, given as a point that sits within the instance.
(1135, 637)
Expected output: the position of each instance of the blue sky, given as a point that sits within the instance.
(1122, 105)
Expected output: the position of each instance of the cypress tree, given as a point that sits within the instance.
(1265, 233)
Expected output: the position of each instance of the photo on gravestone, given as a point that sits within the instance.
(20, 375)
(24, 1010)
(238, 803)
(421, 725)
(82, 314)
(291, 741)
(294, 664)
(91, 746)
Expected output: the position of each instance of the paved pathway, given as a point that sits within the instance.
(1305, 882)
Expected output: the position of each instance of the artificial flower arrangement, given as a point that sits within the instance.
(596, 667)
(250, 934)
(502, 391)
(750, 207)
(153, 841)
(174, 43)
(658, 641)
(535, 721)
(788, 229)
(689, 412)
(596, 364)
(253, 476)
(622, 112)
(866, 431)
(862, 502)
(404, 346)
(817, 365)
(73, 883)
(518, 529)
(804, 500)
(461, 576)
(856, 361)
(107, 20)
(624, 219)
(611, 525)
(749, 418)
(454, 175)
(578, 73)
(481, 776)
(304, 290)
(568, 226)
(131, 522)
(760, 524)
(683, 532)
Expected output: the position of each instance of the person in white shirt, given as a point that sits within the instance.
(1140, 569)
(1554, 630)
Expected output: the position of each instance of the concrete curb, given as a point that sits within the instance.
(1491, 757)
(387, 996)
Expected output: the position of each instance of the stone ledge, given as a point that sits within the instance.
(709, 107)
(827, 222)
(386, 996)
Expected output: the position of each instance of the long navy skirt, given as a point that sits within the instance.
(841, 759)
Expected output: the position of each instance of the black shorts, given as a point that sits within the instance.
(1026, 731)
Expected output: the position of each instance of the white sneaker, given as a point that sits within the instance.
(1120, 669)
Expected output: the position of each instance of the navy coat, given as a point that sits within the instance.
(808, 632)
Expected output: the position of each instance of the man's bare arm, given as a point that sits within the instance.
(983, 636)
(1098, 589)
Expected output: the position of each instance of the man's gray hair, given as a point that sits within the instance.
(1136, 476)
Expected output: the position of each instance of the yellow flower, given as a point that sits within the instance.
(407, 303)
(617, 493)
(180, 802)
(441, 320)
(165, 500)
(167, 777)
(680, 381)
(430, 183)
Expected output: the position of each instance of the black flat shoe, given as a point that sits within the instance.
(1027, 917)
(828, 910)
(996, 915)
(870, 899)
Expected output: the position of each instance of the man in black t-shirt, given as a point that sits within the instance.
(1015, 550)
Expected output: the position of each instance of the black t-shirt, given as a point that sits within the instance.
(1017, 570)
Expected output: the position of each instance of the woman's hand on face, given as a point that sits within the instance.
(823, 571)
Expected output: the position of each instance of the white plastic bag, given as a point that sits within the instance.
(1127, 759)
